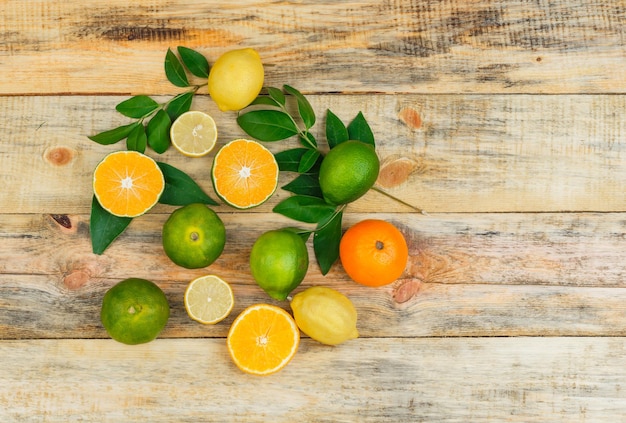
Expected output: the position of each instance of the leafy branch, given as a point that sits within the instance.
(152, 127)
(271, 120)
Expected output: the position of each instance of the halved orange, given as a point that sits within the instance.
(263, 339)
(128, 183)
(244, 174)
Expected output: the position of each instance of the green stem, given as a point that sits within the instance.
(377, 189)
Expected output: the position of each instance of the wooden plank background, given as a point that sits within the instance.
(503, 121)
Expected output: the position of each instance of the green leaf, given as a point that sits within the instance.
(336, 131)
(276, 95)
(181, 189)
(289, 160)
(304, 107)
(360, 130)
(267, 125)
(179, 105)
(308, 140)
(305, 184)
(137, 106)
(326, 242)
(114, 135)
(159, 131)
(308, 160)
(194, 61)
(304, 208)
(137, 139)
(174, 70)
(104, 227)
(264, 100)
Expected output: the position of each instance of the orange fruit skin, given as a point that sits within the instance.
(373, 252)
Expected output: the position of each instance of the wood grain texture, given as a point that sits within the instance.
(503, 120)
(413, 380)
(417, 46)
(465, 153)
(476, 275)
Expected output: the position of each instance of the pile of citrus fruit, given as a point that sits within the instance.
(263, 338)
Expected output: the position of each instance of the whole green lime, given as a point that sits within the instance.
(279, 261)
(348, 171)
(134, 311)
(194, 236)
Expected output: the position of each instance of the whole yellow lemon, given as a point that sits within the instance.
(236, 79)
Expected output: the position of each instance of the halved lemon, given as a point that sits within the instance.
(194, 133)
(209, 299)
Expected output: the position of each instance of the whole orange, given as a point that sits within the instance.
(373, 252)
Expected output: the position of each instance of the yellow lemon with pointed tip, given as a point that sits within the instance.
(236, 79)
(325, 314)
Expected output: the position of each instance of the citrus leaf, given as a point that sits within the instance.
(104, 227)
(308, 160)
(137, 106)
(174, 70)
(114, 135)
(159, 131)
(179, 105)
(181, 189)
(305, 184)
(336, 131)
(264, 100)
(289, 160)
(137, 139)
(304, 107)
(194, 61)
(304, 208)
(308, 140)
(267, 125)
(276, 95)
(326, 242)
(360, 130)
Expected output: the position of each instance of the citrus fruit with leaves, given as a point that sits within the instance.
(373, 252)
(348, 171)
(279, 260)
(236, 78)
(263, 339)
(244, 173)
(325, 314)
(134, 311)
(127, 183)
(208, 299)
(194, 133)
(193, 236)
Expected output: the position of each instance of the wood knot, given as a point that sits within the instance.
(407, 290)
(410, 117)
(59, 156)
(76, 279)
(396, 170)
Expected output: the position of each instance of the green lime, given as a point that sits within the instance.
(134, 311)
(279, 261)
(194, 236)
(348, 171)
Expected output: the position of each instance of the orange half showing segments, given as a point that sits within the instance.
(244, 174)
(128, 183)
(263, 339)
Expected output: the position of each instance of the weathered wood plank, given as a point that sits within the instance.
(462, 153)
(402, 380)
(540, 249)
(468, 275)
(321, 46)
